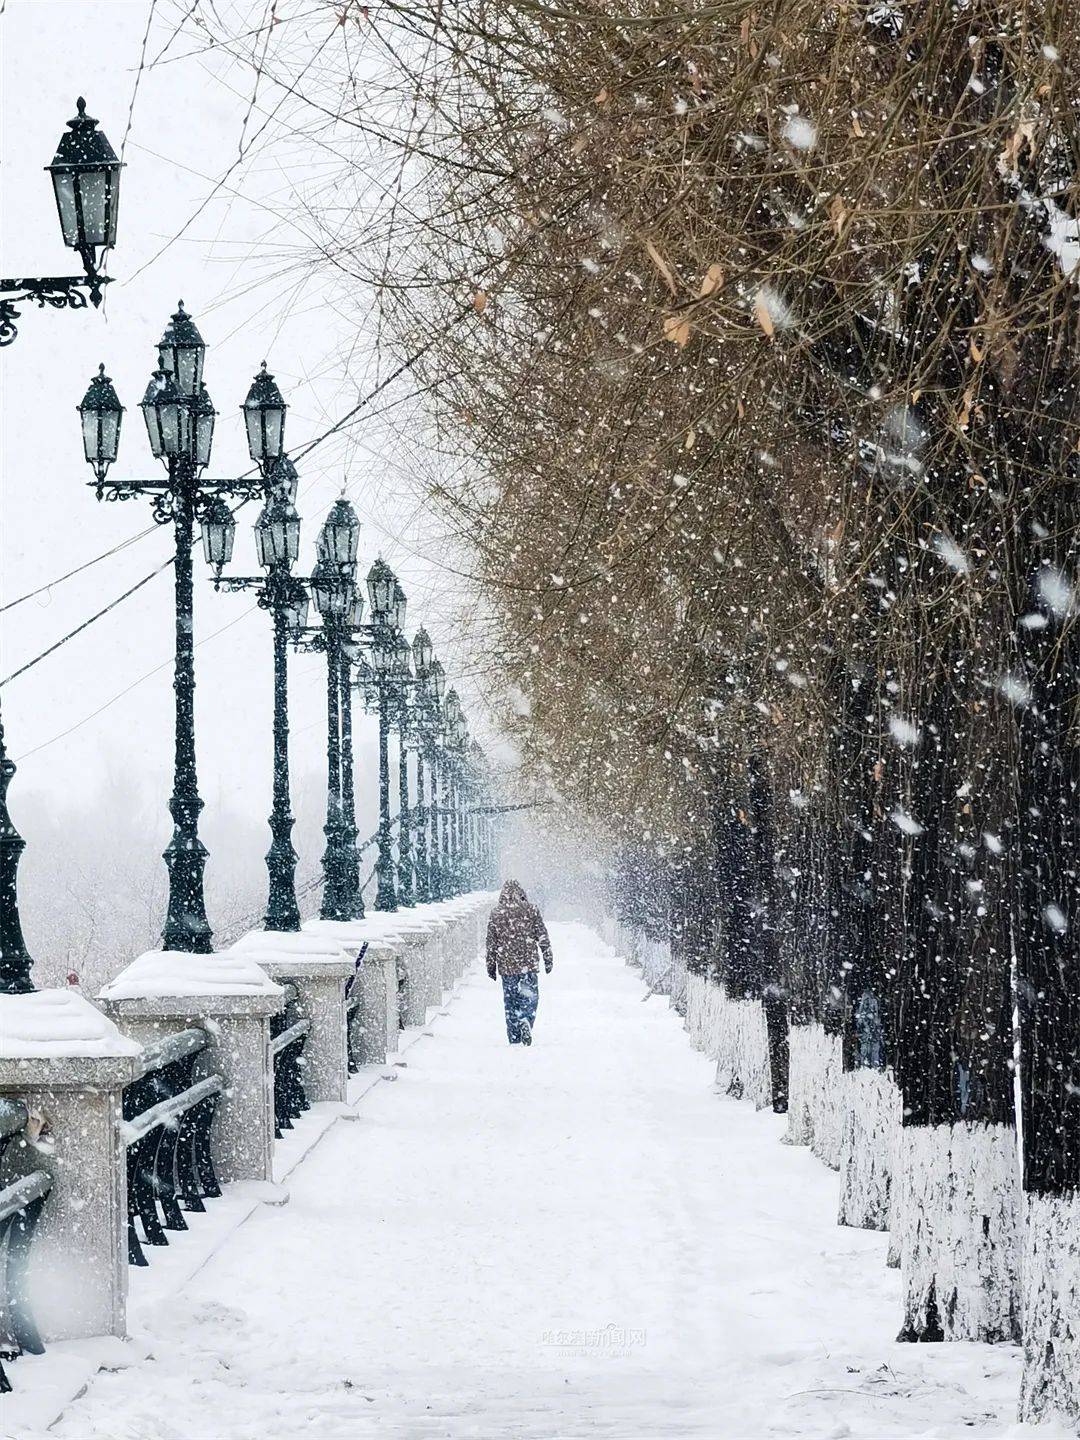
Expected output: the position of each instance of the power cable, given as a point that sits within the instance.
(86, 565)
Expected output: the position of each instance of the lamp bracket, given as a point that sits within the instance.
(59, 292)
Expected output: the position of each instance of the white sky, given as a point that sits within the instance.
(187, 117)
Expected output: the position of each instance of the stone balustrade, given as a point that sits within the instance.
(201, 1024)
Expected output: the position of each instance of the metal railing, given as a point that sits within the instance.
(288, 1032)
(167, 1118)
(352, 1006)
(21, 1203)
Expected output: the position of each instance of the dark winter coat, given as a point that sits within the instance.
(516, 936)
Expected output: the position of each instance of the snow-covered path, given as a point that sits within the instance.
(580, 1239)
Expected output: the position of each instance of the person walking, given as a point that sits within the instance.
(516, 940)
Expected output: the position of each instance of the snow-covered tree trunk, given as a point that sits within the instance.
(959, 1226)
(1048, 966)
(700, 1021)
(742, 1049)
(871, 1109)
(1051, 1307)
(815, 1107)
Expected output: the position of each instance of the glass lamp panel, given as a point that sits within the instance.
(153, 431)
(169, 422)
(292, 536)
(253, 420)
(91, 434)
(187, 368)
(204, 437)
(110, 436)
(336, 544)
(319, 585)
(90, 201)
(148, 405)
(112, 205)
(263, 546)
(64, 190)
(272, 433)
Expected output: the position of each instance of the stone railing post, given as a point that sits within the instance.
(319, 968)
(68, 1064)
(231, 996)
(375, 939)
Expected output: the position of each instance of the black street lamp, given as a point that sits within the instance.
(452, 721)
(422, 658)
(387, 601)
(86, 183)
(403, 680)
(473, 849)
(277, 546)
(350, 653)
(464, 805)
(180, 425)
(440, 880)
(333, 589)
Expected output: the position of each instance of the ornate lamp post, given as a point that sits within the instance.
(387, 602)
(474, 845)
(180, 425)
(86, 184)
(333, 589)
(277, 546)
(403, 680)
(422, 658)
(464, 792)
(350, 653)
(451, 718)
(440, 879)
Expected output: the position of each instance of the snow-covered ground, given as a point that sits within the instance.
(578, 1239)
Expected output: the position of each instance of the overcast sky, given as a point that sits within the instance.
(199, 221)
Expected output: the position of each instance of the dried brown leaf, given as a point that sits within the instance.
(677, 329)
(711, 280)
(661, 265)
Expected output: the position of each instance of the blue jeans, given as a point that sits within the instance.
(521, 994)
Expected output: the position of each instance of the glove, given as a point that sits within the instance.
(491, 972)
(547, 969)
